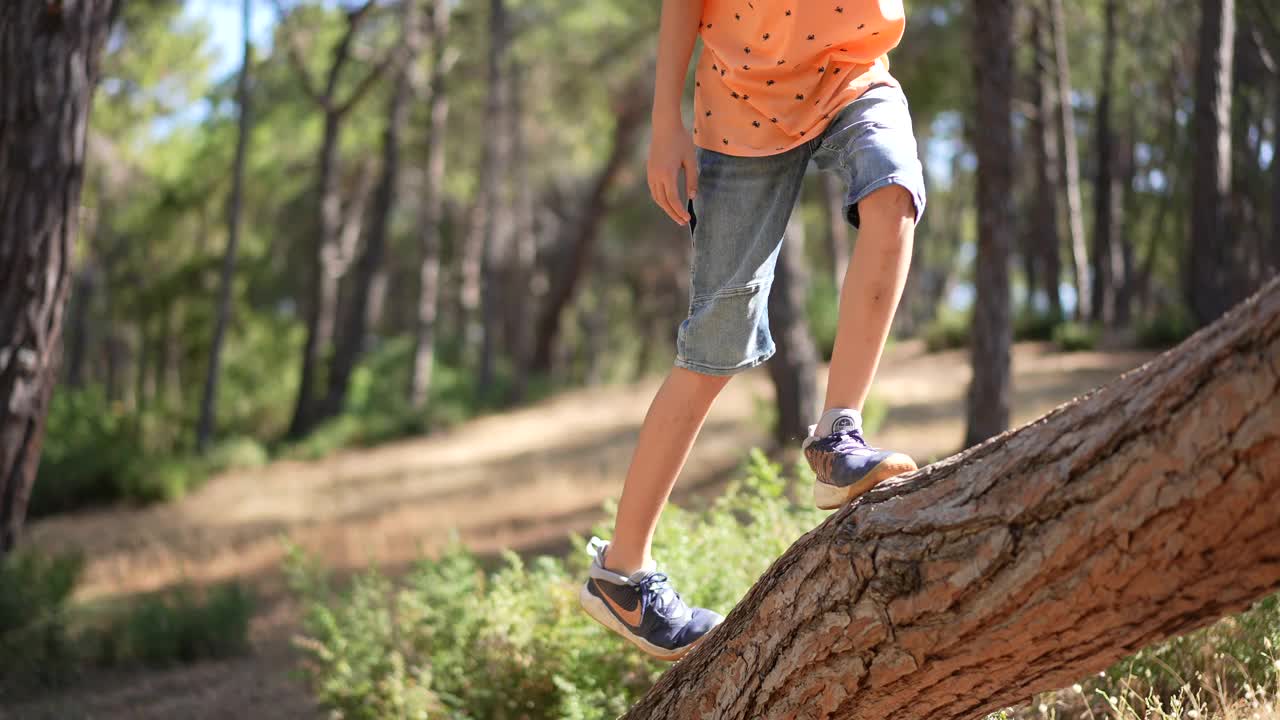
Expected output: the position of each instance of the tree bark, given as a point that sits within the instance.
(209, 402)
(50, 55)
(1209, 291)
(1141, 511)
(988, 401)
(432, 211)
(1070, 161)
(351, 341)
(794, 367)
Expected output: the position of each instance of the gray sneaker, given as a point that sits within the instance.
(643, 608)
(846, 466)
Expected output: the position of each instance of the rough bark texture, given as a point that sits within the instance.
(209, 400)
(1138, 512)
(988, 403)
(1209, 271)
(49, 61)
(794, 367)
(1070, 160)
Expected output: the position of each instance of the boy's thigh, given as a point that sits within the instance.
(871, 144)
(739, 216)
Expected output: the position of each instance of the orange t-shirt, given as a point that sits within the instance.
(773, 72)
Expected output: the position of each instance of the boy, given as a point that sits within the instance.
(779, 82)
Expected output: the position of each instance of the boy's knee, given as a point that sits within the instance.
(891, 204)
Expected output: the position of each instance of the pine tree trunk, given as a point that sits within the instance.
(496, 264)
(988, 400)
(49, 63)
(432, 212)
(1046, 211)
(591, 211)
(1070, 161)
(1133, 514)
(209, 402)
(794, 367)
(1105, 274)
(355, 328)
(330, 257)
(1209, 291)
(520, 308)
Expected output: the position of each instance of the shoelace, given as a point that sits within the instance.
(658, 585)
(847, 441)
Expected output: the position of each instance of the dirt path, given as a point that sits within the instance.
(520, 480)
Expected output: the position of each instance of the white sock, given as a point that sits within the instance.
(837, 420)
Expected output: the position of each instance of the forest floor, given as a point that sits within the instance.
(521, 480)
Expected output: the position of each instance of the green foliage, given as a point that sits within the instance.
(35, 591)
(1075, 337)
(182, 626)
(948, 331)
(95, 454)
(450, 640)
(44, 637)
(1166, 327)
(89, 448)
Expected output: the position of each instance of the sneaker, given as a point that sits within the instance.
(643, 608)
(845, 465)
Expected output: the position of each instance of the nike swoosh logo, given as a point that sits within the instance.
(631, 617)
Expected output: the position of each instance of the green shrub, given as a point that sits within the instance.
(450, 640)
(1165, 328)
(948, 331)
(35, 590)
(89, 446)
(1075, 337)
(182, 626)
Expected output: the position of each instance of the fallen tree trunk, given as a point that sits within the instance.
(1141, 511)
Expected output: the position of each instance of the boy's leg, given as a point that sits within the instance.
(871, 144)
(675, 416)
(738, 220)
(873, 286)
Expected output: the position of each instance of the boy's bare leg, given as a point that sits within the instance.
(872, 288)
(675, 416)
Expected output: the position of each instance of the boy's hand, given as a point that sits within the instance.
(672, 149)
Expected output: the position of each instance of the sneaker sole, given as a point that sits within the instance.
(830, 497)
(599, 612)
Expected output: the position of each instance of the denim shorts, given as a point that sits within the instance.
(740, 215)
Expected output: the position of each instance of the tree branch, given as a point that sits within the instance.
(1141, 511)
